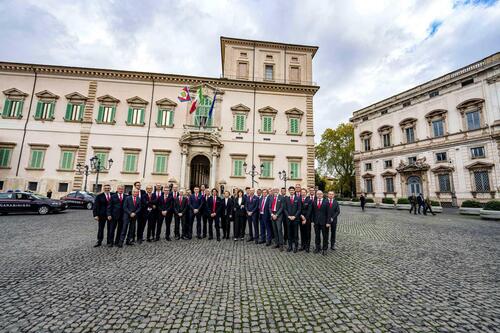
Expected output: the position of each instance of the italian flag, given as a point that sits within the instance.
(198, 100)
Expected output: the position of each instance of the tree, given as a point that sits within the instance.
(335, 155)
(319, 181)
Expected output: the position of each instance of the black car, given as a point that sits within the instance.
(79, 199)
(18, 202)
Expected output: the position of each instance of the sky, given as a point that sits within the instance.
(368, 50)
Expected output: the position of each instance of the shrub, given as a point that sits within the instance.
(342, 199)
(492, 205)
(369, 200)
(435, 203)
(471, 204)
(356, 199)
(403, 201)
(389, 201)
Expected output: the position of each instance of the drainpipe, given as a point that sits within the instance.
(149, 127)
(254, 98)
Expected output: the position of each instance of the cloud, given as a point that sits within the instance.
(369, 50)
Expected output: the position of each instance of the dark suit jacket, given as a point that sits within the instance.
(306, 208)
(115, 207)
(238, 210)
(180, 207)
(164, 205)
(293, 210)
(252, 205)
(333, 211)
(196, 202)
(156, 198)
(280, 205)
(128, 206)
(320, 214)
(265, 210)
(143, 197)
(210, 206)
(101, 205)
(227, 209)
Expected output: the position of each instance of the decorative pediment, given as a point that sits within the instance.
(479, 165)
(384, 128)
(108, 99)
(200, 139)
(15, 93)
(240, 108)
(76, 97)
(418, 166)
(435, 114)
(388, 173)
(473, 102)
(45, 94)
(365, 134)
(137, 101)
(443, 169)
(165, 102)
(268, 110)
(368, 175)
(294, 112)
(407, 122)
(207, 89)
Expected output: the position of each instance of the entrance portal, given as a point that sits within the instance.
(200, 171)
(414, 185)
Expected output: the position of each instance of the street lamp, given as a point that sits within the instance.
(284, 177)
(253, 172)
(83, 170)
(96, 165)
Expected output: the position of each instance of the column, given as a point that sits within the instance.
(213, 170)
(183, 170)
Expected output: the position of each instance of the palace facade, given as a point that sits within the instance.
(441, 138)
(55, 118)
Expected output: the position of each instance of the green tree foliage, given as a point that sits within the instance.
(335, 155)
(319, 181)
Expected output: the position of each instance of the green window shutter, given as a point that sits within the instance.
(100, 113)
(19, 113)
(294, 170)
(266, 170)
(67, 160)
(113, 114)
(240, 122)
(6, 108)
(130, 116)
(5, 157)
(159, 118)
(171, 117)
(52, 107)
(238, 167)
(268, 125)
(69, 109)
(81, 108)
(160, 164)
(142, 111)
(130, 162)
(36, 159)
(39, 110)
(294, 126)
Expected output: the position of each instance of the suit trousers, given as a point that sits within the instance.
(285, 228)
(239, 225)
(333, 233)
(196, 217)
(141, 225)
(151, 218)
(265, 228)
(278, 230)
(118, 228)
(253, 226)
(205, 219)
(293, 232)
(226, 225)
(101, 220)
(177, 225)
(305, 234)
(321, 231)
(187, 226)
(128, 228)
(211, 222)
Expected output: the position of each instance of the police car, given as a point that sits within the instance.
(19, 202)
(79, 199)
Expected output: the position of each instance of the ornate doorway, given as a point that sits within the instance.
(414, 185)
(200, 171)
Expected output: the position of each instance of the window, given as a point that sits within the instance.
(238, 167)
(444, 182)
(128, 188)
(267, 124)
(165, 118)
(269, 57)
(481, 181)
(45, 110)
(243, 70)
(438, 128)
(12, 109)
(412, 160)
(477, 152)
(441, 157)
(106, 114)
(295, 59)
(368, 167)
(388, 164)
(240, 122)
(267, 170)
(473, 120)
(74, 112)
(368, 186)
(366, 144)
(130, 162)
(389, 185)
(96, 189)
(5, 156)
(293, 125)
(434, 93)
(294, 170)
(67, 160)
(295, 74)
(410, 134)
(160, 166)
(62, 187)
(1, 185)
(201, 115)
(36, 159)
(467, 82)
(32, 186)
(269, 72)
(103, 157)
(243, 54)
(386, 138)
(135, 116)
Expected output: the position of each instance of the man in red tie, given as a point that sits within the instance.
(252, 209)
(214, 207)
(276, 207)
(101, 204)
(165, 207)
(333, 213)
(115, 210)
(180, 213)
(305, 220)
(265, 219)
(321, 223)
(292, 216)
(131, 209)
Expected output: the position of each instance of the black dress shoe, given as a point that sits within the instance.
(110, 245)
(149, 240)
(168, 239)
(199, 237)
(177, 238)
(218, 239)
(332, 248)
(276, 246)
(120, 245)
(316, 250)
(268, 243)
(282, 249)
(323, 252)
(289, 249)
(307, 250)
(257, 241)
(262, 242)
(250, 240)
(210, 238)
(295, 250)
(129, 243)
(97, 244)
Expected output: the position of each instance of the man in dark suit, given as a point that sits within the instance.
(252, 209)
(421, 203)
(101, 203)
(333, 213)
(165, 206)
(276, 210)
(181, 208)
(150, 216)
(265, 219)
(205, 215)
(321, 222)
(177, 221)
(115, 210)
(157, 193)
(305, 220)
(214, 208)
(292, 216)
(227, 214)
(196, 208)
(131, 209)
(140, 219)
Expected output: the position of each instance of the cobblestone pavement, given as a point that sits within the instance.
(391, 272)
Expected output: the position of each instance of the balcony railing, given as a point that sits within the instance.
(264, 79)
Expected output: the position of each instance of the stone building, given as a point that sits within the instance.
(441, 138)
(55, 118)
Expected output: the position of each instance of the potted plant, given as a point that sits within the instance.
(403, 204)
(387, 203)
(470, 207)
(370, 203)
(436, 206)
(491, 210)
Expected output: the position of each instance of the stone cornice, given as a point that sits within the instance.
(110, 74)
(275, 45)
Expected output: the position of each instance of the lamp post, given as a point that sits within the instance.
(284, 177)
(96, 165)
(253, 172)
(83, 170)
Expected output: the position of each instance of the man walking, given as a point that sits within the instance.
(413, 203)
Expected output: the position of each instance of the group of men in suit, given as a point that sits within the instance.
(265, 215)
